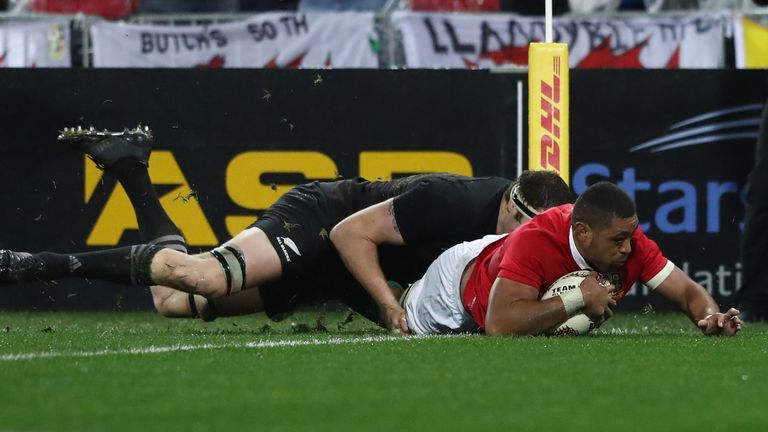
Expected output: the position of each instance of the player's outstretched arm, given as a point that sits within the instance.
(514, 308)
(695, 301)
(356, 238)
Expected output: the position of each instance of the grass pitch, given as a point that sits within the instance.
(139, 371)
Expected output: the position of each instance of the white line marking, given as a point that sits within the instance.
(177, 348)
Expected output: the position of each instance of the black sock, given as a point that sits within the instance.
(154, 222)
(127, 265)
(109, 264)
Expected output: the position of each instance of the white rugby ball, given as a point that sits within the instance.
(578, 324)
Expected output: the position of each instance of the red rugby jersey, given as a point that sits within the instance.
(541, 251)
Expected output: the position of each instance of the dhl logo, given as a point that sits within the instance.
(550, 119)
(548, 108)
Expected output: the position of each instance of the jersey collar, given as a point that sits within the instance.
(580, 261)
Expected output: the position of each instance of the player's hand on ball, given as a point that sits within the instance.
(598, 304)
(721, 324)
(394, 317)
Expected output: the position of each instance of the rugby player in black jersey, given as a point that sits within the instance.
(393, 228)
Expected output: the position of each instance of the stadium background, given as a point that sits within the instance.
(230, 139)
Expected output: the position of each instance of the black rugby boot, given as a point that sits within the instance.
(105, 147)
(18, 266)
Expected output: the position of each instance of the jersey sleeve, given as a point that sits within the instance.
(433, 210)
(655, 266)
(521, 260)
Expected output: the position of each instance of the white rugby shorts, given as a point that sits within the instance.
(433, 304)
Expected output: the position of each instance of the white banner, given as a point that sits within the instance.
(43, 43)
(270, 40)
(434, 40)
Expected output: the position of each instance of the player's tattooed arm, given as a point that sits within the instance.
(356, 238)
(391, 211)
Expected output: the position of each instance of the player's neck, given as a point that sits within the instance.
(582, 256)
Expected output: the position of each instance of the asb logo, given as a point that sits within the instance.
(245, 187)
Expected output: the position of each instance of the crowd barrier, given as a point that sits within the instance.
(400, 39)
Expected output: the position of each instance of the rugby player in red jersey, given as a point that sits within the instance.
(495, 284)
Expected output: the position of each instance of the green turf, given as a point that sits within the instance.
(638, 373)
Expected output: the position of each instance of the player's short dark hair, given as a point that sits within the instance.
(602, 202)
(542, 189)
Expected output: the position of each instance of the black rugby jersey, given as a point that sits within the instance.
(432, 208)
